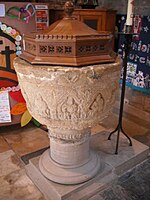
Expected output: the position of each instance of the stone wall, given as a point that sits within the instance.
(141, 7)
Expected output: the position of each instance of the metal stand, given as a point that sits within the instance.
(128, 38)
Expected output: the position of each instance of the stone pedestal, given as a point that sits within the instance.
(69, 100)
(111, 168)
(69, 160)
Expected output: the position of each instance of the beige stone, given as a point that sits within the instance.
(68, 97)
(17, 186)
(9, 162)
(69, 101)
(112, 167)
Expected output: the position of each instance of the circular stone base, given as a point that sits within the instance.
(68, 174)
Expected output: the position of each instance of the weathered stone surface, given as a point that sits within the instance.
(140, 7)
(17, 186)
(14, 183)
(68, 97)
(134, 185)
(108, 180)
(9, 162)
(69, 101)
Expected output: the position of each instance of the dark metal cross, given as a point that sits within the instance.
(7, 52)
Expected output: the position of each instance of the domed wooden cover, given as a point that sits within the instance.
(68, 42)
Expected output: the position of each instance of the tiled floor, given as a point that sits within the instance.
(24, 140)
(17, 142)
(133, 185)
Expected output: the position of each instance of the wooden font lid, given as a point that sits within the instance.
(68, 42)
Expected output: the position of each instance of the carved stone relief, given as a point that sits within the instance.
(69, 101)
(73, 98)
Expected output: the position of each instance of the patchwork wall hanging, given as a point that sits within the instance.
(10, 47)
(138, 66)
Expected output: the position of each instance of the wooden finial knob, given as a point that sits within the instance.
(68, 8)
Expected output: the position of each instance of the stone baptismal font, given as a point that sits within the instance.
(69, 77)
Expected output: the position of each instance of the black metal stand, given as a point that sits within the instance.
(127, 44)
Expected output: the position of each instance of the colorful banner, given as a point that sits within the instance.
(138, 67)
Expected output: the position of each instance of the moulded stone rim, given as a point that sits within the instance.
(89, 170)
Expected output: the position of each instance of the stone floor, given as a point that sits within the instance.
(134, 185)
(18, 145)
